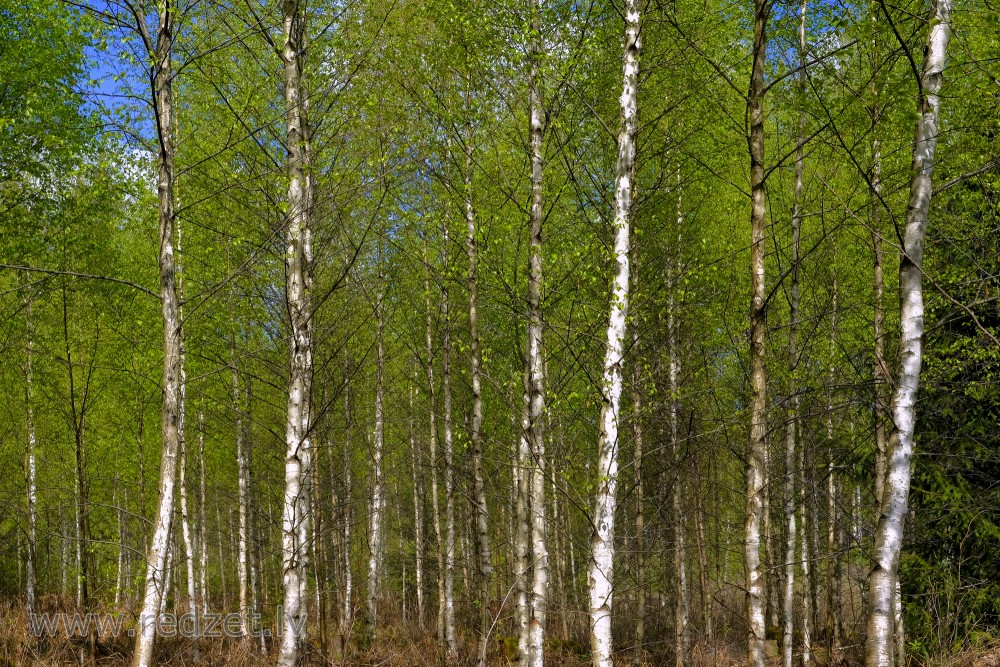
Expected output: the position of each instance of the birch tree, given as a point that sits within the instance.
(603, 540)
(376, 528)
(534, 436)
(298, 288)
(30, 470)
(161, 49)
(892, 512)
(484, 558)
(757, 458)
(451, 640)
(791, 430)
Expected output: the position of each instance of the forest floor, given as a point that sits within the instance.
(398, 644)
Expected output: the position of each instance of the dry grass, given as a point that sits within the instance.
(399, 643)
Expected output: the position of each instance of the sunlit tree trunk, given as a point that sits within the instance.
(298, 287)
(522, 545)
(682, 630)
(882, 582)
(449, 468)
(155, 585)
(318, 546)
(535, 389)
(757, 455)
(832, 589)
(182, 463)
(602, 540)
(78, 412)
(806, 562)
(703, 585)
(432, 448)
(791, 430)
(484, 564)
(376, 528)
(640, 489)
(416, 468)
(192, 603)
(347, 615)
(122, 547)
(243, 496)
(202, 521)
(30, 470)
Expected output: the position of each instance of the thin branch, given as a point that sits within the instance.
(74, 274)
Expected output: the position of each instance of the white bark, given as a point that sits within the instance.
(682, 632)
(432, 448)
(30, 471)
(791, 433)
(756, 460)
(640, 497)
(243, 497)
(188, 542)
(484, 566)
(347, 615)
(120, 572)
(889, 533)
(535, 389)
(298, 287)
(522, 546)
(602, 542)
(202, 521)
(451, 641)
(376, 529)
(418, 512)
(182, 463)
(807, 581)
(163, 104)
(169, 577)
(832, 590)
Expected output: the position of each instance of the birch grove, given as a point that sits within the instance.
(464, 363)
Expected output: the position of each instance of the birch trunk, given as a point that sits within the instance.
(706, 595)
(602, 541)
(416, 468)
(889, 532)
(375, 538)
(182, 463)
(754, 574)
(165, 600)
(298, 287)
(560, 546)
(682, 632)
(881, 369)
(449, 474)
(347, 612)
(222, 558)
(522, 571)
(832, 591)
(163, 104)
(791, 432)
(432, 449)
(243, 481)
(120, 572)
(484, 564)
(30, 470)
(78, 411)
(807, 578)
(534, 432)
(188, 542)
(202, 521)
(640, 491)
